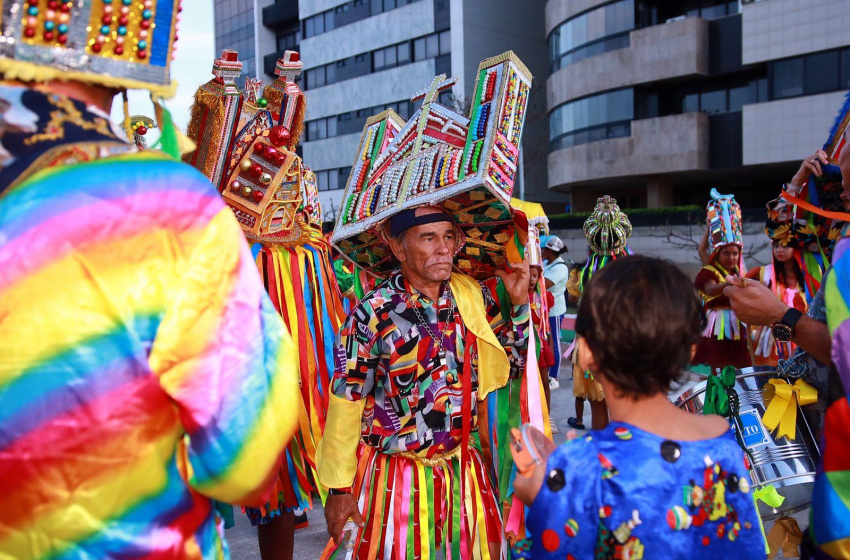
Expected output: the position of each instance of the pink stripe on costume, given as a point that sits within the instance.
(103, 221)
(239, 307)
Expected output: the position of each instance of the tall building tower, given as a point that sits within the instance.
(656, 102)
(259, 30)
(363, 56)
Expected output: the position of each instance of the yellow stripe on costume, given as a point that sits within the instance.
(424, 524)
(92, 280)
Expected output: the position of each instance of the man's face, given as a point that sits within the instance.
(428, 251)
(844, 164)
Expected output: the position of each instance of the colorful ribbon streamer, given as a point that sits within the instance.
(783, 400)
(716, 399)
(785, 534)
(769, 496)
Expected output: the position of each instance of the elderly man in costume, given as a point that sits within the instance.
(416, 350)
(427, 206)
(144, 372)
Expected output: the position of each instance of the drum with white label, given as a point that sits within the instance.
(787, 465)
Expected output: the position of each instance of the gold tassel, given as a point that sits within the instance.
(128, 128)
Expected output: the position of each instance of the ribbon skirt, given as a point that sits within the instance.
(412, 509)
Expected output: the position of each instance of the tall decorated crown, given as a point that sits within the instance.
(124, 44)
(724, 221)
(607, 229)
(467, 165)
(246, 145)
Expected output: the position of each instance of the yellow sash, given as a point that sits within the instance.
(493, 365)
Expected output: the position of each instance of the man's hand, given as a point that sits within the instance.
(753, 302)
(810, 165)
(516, 282)
(338, 510)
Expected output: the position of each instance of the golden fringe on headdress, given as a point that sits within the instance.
(207, 104)
(29, 72)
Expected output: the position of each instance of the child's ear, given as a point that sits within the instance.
(693, 352)
(586, 361)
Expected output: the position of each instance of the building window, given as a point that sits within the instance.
(325, 21)
(598, 117)
(810, 74)
(332, 179)
(595, 32)
(288, 41)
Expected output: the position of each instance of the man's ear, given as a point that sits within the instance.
(693, 352)
(397, 249)
(586, 361)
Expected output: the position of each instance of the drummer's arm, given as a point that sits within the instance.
(756, 304)
(813, 337)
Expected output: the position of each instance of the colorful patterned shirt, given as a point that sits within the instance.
(143, 368)
(387, 356)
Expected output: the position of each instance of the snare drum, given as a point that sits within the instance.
(788, 465)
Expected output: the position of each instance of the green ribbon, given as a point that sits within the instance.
(769, 496)
(716, 399)
(168, 135)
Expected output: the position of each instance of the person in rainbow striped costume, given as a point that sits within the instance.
(144, 371)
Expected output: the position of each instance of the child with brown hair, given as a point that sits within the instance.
(657, 482)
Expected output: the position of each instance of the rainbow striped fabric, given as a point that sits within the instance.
(143, 369)
(830, 517)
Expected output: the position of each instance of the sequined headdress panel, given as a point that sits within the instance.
(125, 44)
(246, 146)
(607, 230)
(439, 157)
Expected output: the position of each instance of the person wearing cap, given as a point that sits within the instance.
(556, 272)
(144, 372)
(402, 421)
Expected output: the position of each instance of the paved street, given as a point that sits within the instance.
(310, 542)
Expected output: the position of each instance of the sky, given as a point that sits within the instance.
(193, 66)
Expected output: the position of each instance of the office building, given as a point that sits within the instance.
(656, 102)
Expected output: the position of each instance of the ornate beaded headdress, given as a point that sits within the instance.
(607, 230)
(246, 146)
(125, 44)
(724, 221)
(439, 157)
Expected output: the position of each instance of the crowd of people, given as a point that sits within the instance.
(171, 347)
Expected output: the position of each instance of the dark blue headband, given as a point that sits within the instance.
(407, 219)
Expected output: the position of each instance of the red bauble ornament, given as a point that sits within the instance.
(280, 158)
(309, 208)
(279, 135)
(235, 185)
(29, 32)
(48, 35)
(256, 170)
(271, 153)
(62, 39)
(259, 149)
(145, 23)
(257, 195)
(142, 130)
(142, 54)
(96, 47)
(106, 20)
(53, 4)
(119, 50)
(65, 8)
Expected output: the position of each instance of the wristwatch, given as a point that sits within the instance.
(784, 329)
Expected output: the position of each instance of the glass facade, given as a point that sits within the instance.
(600, 30)
(810, 74)
(234, 29)
(607, 115)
